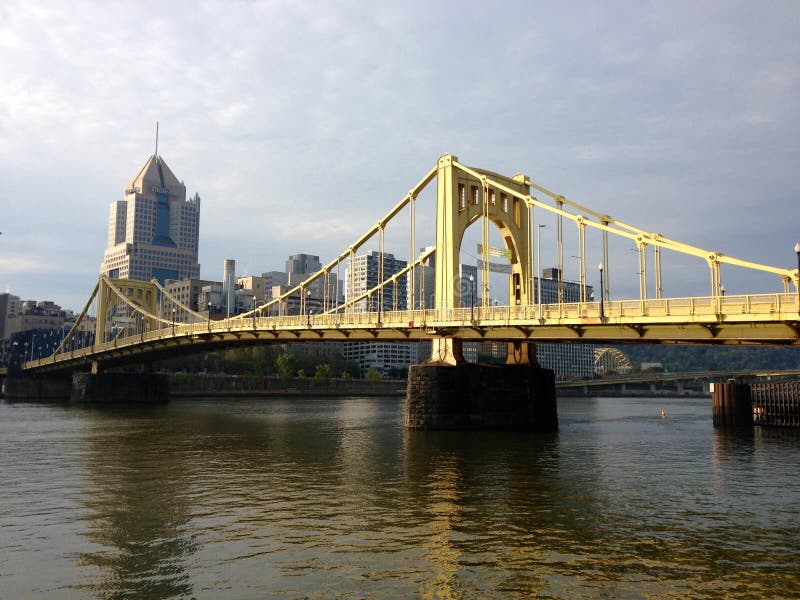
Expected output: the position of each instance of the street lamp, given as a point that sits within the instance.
(308, 308)
(173, 321)
(471, 297)
(209, 316)
(602, 315)
(797, 250)
(254, 311)
(538, 279)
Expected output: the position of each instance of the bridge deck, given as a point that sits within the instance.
(752, 319)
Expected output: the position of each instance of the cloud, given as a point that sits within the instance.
(300, 124)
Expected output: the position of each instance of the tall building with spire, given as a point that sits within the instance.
(153, 232)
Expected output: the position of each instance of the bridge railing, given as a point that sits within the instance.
(754, 307)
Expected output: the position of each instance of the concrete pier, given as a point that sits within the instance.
(87, 387)
(123, 388)
(47, 389)
(732, 405)
(470, 396)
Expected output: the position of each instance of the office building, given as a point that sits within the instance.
(567, 361)
(365, 271)
(153, 232)
(388, 358)
(188, 291)
(300, 267)
(10, 307)
(424, 289)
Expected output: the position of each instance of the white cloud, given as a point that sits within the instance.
(682, 118)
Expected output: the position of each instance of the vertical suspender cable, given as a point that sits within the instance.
(486, 288)
(560, 251)
(657, 261)
(606, 284)
(380, 269)
(582, 260)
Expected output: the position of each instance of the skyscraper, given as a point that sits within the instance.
(365, 277)
(153, 232)
(386, 357)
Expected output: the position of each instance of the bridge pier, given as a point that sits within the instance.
(37, 387)
(470, 396)
(88, 387)
(732, 405)
(126, 388)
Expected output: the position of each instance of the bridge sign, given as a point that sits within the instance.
(495, 267)
(501, 252)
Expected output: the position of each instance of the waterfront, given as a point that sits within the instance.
(331, 497)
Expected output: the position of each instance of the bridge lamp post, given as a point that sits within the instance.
(209, 316)
(308, 308)
(602, 299)
(797, 251)
(254, 311)
(173, 321)
(471, 297)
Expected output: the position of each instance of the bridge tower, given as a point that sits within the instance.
(464, 198)
(446, 392)
(124, 300)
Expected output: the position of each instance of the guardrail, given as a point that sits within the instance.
(757, 308)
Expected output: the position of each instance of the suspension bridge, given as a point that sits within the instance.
(136, 321)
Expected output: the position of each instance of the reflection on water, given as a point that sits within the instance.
(318, 497)
(137, 512)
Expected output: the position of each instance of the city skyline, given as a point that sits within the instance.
(680, 118)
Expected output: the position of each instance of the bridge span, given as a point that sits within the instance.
(132, 326)
(736, 320)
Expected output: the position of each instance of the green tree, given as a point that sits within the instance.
(322, 373)
(286, 365)
(373, 375)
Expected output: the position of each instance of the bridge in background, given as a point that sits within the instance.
(133, 324)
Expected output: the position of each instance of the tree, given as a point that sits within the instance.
(373, 375)
(323, 373)
(286, 365)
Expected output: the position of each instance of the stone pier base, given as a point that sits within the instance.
(470, 396)
(732, 405)
(46, 389)
(125, 388)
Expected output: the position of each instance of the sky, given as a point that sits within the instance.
(300, 124)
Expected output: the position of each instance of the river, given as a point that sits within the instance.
(333, 498)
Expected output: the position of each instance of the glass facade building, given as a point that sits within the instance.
(154, 231)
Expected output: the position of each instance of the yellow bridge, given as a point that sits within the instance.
(464, 196)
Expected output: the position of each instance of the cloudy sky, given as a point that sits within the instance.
(301, 123)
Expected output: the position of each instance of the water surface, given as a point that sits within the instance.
(332, 498)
